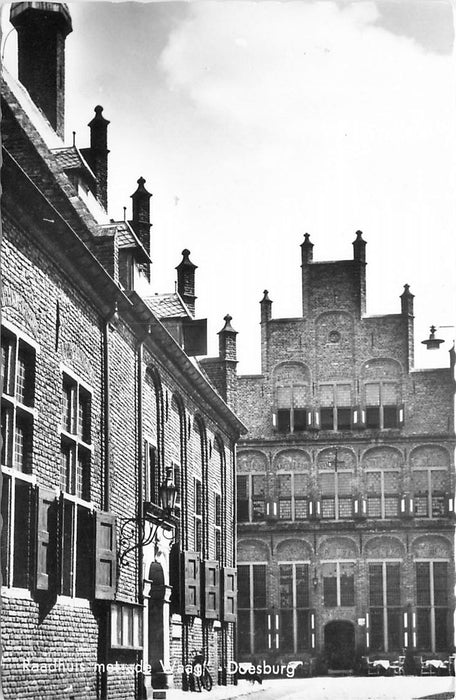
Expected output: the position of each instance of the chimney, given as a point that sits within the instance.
(97, 154)
(266, 314)
(227, 340)
(306, 259)
(359, 257)
(42, 29)
(407, 312)
(140, 222)
(186, 281)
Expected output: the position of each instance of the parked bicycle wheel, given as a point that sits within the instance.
(206, 680)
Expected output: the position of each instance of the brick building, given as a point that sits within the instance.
(103, 405)
(345, 481)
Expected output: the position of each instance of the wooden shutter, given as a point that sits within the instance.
(45, 524)
(175, 579)
(211, 590)
(229, 594)
(192, 583)
(105, 555)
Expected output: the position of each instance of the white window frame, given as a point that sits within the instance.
(335, 407)
(336, 493)
(14, 475)
(76, 442)
(293, 563)
(382, 494)
(431, 606)
(430, 469)
(338, 562)
(384, 563)
(293, 497)
(252, 608)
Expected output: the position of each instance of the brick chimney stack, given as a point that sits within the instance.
(42, 29)
(140, 222)
(407, 312)
(186, 281)
(97, 154)
(266, 314)
(359, 257)
(306, 259)
(227, 340)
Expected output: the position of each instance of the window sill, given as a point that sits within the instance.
(68, 601)
(20, 593)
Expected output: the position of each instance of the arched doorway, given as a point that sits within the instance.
(340, 645)
(156, 639)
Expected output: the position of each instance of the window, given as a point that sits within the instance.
(218, 525)
(335, 407)
(432, 605)
(385, 631)
(253, 616)
(383, 488)
(251, 497)
(294, 628)
(18, 364)
(76, 550)
(291, 395)
(335, 483)
(16, 536)
(429, 489)
(382, 405)
(197, 514)
(151, 472)
(293, 493)
(176, 470)
(17, 414)
(75, 433)
(126, 626)
(338, 584)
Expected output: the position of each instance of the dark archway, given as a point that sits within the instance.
(156, 628)
(340, 645)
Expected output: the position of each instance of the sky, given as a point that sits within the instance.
(256, 122)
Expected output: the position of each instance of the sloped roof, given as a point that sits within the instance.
(167, 306)
(70, 158)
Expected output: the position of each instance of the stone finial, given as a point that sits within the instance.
(227, 328)
(306, 250)
(407, 301)
(186, 262)
(359, 247)
(227, 340)
(99, 130)
(266, 298)
(186, 280)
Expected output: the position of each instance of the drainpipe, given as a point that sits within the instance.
(107, 421)
(140, 508)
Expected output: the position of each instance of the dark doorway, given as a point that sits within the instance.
(340, 645)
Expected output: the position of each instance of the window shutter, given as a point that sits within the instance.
(46, 510)
(406, 506)
(314, 509)
(271, 509)
(192, 583)
(105, 555)
(211, 590)
(400, 415)
(359, 507)
(229, 594)
(359, 417)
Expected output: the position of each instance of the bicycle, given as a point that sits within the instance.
(200, 676)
